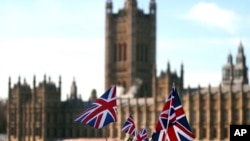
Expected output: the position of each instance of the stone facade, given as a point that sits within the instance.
(39, 115)
(209, 110)
(131, 55)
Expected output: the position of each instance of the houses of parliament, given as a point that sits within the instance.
(36, 112)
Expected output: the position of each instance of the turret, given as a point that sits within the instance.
(73, 91)
(44, 79)
(109, 7)
(182, 75)
(9, 86)
(19, 80)
(168, 67)
(34, 82)
(59, 84)
(240, 69)
(152, 7)
(93, 95)
(227, 76)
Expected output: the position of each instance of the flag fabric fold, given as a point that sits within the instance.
(101, 112)
(129, 126)
(172, 124)
(142, 136)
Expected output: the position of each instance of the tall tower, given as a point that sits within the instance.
(130, 46)
(228, 70)
(240, 70)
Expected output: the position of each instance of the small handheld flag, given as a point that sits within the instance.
(129, 126)
(177, 127)
(142, 136)
(101, 112)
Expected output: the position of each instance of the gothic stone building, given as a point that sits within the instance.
(211, 110)
(39, 115)
(131, 53)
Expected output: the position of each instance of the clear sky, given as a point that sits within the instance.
(62, 37)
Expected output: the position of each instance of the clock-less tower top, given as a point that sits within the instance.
(130, 46)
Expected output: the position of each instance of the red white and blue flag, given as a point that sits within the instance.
(177, 127)
(101, 112)
(129, 126)
(142, 136)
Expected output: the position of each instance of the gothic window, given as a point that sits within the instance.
(194, 131)
(68, 118)
(55, 119)
(51, 118)
(214, 133)
(120, 52)
(225, 115)
(226, 74)
(240, 73)
(149, 116)
(115, 54)
(115, 132)
(146, 54)
(235, 115)
(13, 131)
(141, 53)
(248, 113)
(161, 92)
(48, 132)
(235, 74)
(193, 116)
(125, 52)
(203, 116)
(140, 116)
(204, 132)
(214, 115)
(225, 132)
(137, 52)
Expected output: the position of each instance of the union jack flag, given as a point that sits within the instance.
(160, 133)
(129, 126)
(177, 127)
(142, 136)
(101, 112)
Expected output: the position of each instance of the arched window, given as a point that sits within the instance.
(124, 51)
(193, 116)
(115, 54)
(204, 133)
(120, 52)
(140, 52)
(137, 52)
(146, 54)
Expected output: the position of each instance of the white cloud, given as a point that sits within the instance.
(213, 15)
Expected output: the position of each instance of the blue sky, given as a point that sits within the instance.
(66, 38)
